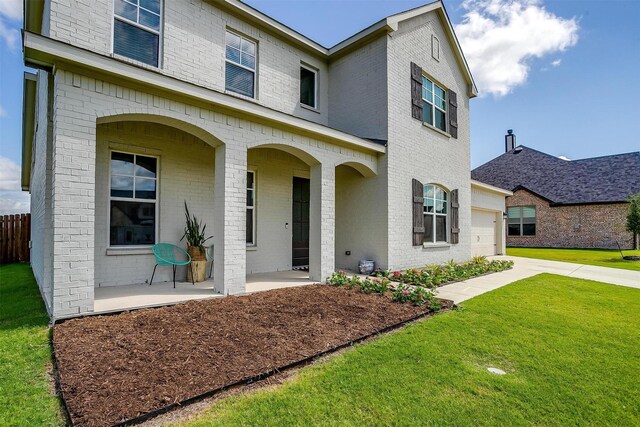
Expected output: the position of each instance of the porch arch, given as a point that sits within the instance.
(185, 123)
(298, 152)
(365, 170)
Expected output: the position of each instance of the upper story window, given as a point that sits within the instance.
(521, 221)
(136, 30)
(133, 199)
(240, 67)
(435, 214)
(434, 106)
(308, 87)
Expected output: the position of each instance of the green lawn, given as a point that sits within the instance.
(26, 397)
(570, 348)
(599, 257)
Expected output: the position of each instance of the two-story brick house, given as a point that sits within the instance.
(291, 152)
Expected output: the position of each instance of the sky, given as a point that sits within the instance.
(563, 74)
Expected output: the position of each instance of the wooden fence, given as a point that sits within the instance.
(15, 233)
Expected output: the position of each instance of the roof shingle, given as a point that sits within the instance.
(596, 180)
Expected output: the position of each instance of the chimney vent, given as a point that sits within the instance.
(509, 141)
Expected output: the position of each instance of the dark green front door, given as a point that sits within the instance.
(300, 243)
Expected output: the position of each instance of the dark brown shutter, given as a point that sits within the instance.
(416, 92)
(418, 212)
(453, 113)
(455, 222)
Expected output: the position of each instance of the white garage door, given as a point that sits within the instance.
(483, 231)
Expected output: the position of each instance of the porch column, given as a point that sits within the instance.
(73, 156)
(322, 222)
(229, 223)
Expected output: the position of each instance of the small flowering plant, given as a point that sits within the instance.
(416, 295)
(338, 278)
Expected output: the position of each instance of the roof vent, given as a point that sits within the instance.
(517, 150)
(509, 141)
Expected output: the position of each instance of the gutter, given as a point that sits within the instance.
(45, 53)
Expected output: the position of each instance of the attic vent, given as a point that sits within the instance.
(435, 47)
(517, 150)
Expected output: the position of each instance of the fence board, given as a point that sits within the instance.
(15, 233)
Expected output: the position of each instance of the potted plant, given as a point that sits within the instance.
(194, 233)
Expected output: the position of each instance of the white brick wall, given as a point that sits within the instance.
(193, 49)
(416, 151)
(358, 91)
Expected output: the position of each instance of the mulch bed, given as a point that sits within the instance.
(116, 368)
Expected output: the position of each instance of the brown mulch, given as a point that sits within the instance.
(115, 368)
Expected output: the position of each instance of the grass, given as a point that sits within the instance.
(26, 395)
(598, 257)
(569, 346)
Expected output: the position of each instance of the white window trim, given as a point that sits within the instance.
(253, 242)
(253, 70)
(142, 27)
(521, 217)
(436, 242)
(315, 88)
(111, 247)
(432, 103)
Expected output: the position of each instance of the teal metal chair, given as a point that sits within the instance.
(168, 254)
(210, 258)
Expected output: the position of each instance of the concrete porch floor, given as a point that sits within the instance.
(116, 298)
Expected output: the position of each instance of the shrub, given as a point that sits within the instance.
(417, 295)
(338, 278)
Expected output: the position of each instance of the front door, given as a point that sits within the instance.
(300, 243)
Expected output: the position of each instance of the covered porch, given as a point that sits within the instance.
(110, 299)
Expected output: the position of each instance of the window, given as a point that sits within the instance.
(251, 208)
(521, 221)
(136, 30)
(435, 214)
(434, 108)
(133, 199)
(308, 86)
(240, 67)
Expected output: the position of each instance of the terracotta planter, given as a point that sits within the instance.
(199, 269)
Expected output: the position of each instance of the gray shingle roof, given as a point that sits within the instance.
(596, 180)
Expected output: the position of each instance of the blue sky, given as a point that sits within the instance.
(565, 75)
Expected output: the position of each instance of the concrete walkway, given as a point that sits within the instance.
(527, 267)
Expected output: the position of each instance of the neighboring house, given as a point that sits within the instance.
(564, 203)
(292, 153)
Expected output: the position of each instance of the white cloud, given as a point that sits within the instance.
(12, 199)
(11, 36)
(500, 37)
(9, 175)
(11, 9)
(556, 63)
(3, 112)
(14, 202)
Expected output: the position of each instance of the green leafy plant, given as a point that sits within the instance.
(338, 278)
(194, 232)
(416, 295)
(479, 260)
(633, 218)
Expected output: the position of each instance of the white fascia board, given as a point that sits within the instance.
(268, 22)
(487, 187)
(372, 29)
(45, 52)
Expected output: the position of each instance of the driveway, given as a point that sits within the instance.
(527, 267)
